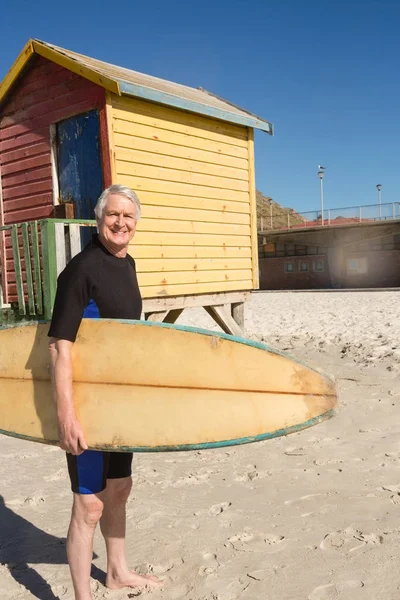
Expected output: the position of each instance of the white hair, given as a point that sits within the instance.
(121, 190)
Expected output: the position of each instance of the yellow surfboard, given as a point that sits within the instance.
(143, 386)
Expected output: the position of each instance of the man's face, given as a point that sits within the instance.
(117, 225)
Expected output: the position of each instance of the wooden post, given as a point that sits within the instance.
(49, 266)
(225, 308)
(36, 267)
(18, 270)
(165, 316)
(61, 260)
(28, 268)
(74, 240)
(223, 317)
(3, 270)
(237, 310)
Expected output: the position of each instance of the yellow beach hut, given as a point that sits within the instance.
(187, 153)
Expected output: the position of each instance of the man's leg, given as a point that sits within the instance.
(86, 513)
(113, 527)
(88, 475)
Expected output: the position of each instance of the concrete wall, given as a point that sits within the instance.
(361, 256)
(275, 276)
(381, 269)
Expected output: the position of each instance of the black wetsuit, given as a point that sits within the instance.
(95, 284)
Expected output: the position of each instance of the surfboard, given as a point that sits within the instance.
(144, 386)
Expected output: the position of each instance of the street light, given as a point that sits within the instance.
(270, 211)
(379, 187)
(321, 173)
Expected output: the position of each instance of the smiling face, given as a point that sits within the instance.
(117, 224)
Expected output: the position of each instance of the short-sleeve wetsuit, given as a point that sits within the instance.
(95, 284)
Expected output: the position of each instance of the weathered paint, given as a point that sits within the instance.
(206, 446)
(45, 93)
(212, 402)
(147, 93)
(123, 81)
(16, 69)
(79, 162)
(76, 67)
(3, 271)
(253, 210)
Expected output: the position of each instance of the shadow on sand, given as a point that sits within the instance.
(23, 544)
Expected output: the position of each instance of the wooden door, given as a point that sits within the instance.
(80, 176)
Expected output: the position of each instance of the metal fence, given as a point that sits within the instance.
(290, 219)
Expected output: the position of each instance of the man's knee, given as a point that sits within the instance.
(87, 508)
(118, 490)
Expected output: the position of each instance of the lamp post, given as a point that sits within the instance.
(379, 187)
(321, 173)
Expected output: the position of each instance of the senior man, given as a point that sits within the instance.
(99, 282)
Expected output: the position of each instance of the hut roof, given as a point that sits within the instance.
(125, 82)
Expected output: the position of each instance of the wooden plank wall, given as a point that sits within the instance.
(45, 94)
(192, 175)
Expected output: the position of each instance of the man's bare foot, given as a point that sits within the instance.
(132, 579)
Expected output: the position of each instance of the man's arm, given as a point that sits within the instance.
(70, 433)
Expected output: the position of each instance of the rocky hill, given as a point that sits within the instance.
(279, 214)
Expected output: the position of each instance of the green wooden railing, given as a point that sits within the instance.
(47, 245)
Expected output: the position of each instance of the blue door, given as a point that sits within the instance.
(79, 165)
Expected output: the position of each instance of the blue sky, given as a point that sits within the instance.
(325, 73)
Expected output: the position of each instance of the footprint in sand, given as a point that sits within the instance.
(167, 566)
(250, 474)
(395, 498)
(140, 481)
(350, 540)
(217, 509)
(210, 565)
(59, 590)
(193, 478)
(247, 541)
(214, 510)
(29, 501)
(178, 592)
(331, 591)
(220, 457)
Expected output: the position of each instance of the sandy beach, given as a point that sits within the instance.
(312, 516)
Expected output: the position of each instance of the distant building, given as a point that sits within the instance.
(351, 255)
